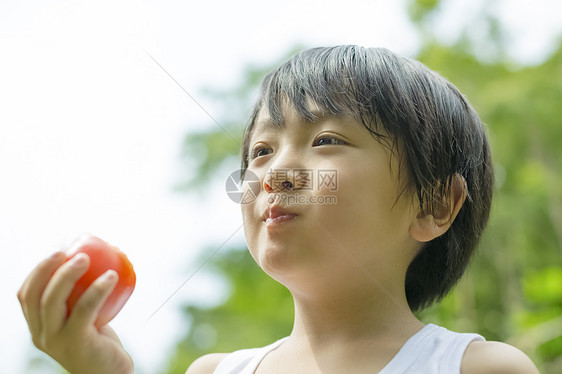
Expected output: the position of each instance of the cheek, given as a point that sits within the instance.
(253, 227)
(365, 216)
(249, 222)
(249, 205)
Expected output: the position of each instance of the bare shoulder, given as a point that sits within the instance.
(206, 364)
(495, 358)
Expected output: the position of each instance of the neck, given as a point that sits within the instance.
(367, 313)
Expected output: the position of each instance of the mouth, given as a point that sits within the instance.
(275, 215)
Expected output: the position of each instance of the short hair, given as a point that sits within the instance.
(431, 127)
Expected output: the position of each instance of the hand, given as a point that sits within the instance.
(74, 342)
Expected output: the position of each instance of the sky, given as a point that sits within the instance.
(91, 130)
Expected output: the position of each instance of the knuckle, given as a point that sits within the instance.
(43, 266)
(36, 342)
(21, 296)
(91, 299)
(99, 288)
(46, 301)
(40, 342)
(49, 344)
(68, 273)
(84, 306)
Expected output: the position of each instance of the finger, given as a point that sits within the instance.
(110, 333)
(53, 301)
(29, 295)
(87, 307)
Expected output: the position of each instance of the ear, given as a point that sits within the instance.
(426, 227)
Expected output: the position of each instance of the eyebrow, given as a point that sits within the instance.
(319, 114)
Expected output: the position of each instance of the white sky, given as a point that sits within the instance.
(91, 128)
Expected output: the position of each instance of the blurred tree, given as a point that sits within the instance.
(512, 291)
(220, 145)
(508, 292)
(258, 311)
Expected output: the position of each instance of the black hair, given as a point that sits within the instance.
(431, 127)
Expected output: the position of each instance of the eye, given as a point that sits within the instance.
(259, 151)
(328, 140)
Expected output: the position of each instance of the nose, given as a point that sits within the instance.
(279, 180)
(287, 174)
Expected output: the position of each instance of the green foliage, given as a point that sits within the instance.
(209, 150)
(258, 311)
(544, 287)
(206, 151)
(420, 9)
(513, 289)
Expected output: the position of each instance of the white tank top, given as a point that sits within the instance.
(432, 350)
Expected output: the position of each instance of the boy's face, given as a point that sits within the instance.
(342, 197)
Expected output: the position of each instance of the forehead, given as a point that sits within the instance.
(290, 120)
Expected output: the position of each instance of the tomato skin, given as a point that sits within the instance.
(103, 257)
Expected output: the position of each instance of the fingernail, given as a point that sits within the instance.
(78, 260)
(109, 276)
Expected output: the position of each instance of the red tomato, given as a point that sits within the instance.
(103, 257)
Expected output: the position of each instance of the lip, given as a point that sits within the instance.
(272, 222)
(275, 215)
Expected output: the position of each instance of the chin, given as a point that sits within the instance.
(274, 260)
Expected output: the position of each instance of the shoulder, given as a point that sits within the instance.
(483, 357)
(206, 364)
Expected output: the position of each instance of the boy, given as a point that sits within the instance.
(412, 197)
